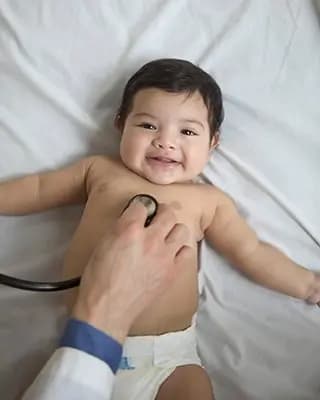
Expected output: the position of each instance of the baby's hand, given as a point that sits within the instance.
(314, 297)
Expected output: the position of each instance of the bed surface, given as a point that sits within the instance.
(62, 69)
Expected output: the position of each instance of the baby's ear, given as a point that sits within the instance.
(116, 121)
(215, 140)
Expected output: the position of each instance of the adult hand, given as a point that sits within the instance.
(131, 266)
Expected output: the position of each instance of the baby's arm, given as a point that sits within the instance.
(230, 235)
(40, 192)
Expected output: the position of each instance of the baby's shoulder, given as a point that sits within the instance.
(99, 169)
(206, 198)
(204, 192)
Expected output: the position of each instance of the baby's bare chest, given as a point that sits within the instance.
(106, 202)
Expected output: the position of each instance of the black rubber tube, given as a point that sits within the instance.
(152, 207)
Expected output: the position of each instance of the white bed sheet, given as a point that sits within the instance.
(62, 68)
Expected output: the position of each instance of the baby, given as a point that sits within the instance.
(169, 121)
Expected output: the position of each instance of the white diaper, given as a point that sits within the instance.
(148, 360)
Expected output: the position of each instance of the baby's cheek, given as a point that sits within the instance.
(198, 162)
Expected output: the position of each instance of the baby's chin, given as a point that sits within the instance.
(156, 179)
(162, 180)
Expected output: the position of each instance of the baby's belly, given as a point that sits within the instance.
(172, 311)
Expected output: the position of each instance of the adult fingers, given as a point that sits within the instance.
(178, 237)
(163, 221)
(135, 213)
(182, 256)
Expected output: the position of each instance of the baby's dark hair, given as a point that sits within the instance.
(176, 76)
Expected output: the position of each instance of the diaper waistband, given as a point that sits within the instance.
(145, 351)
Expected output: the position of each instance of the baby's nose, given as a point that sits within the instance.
(164, 145)
(164, 142)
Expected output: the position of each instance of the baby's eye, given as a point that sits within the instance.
(146, 125)
(188, 132)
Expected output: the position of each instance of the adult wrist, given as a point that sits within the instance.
(110, 321)
(84, 337)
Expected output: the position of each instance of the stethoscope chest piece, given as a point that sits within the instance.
(149, 202)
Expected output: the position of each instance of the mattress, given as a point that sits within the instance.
(63, 66)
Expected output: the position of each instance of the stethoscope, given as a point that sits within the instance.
(148, 201)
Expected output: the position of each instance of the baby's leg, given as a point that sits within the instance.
(188, 382)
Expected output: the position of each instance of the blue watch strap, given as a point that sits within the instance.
(85, 337)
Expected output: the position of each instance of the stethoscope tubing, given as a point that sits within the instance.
(152, 207)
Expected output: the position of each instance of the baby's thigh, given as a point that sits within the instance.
(188, 382)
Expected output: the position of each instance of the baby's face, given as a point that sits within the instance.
(166, 136)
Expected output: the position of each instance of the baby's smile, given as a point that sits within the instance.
(162, 162)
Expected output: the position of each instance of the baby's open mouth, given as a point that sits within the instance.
(163, 159)
(162, 162)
